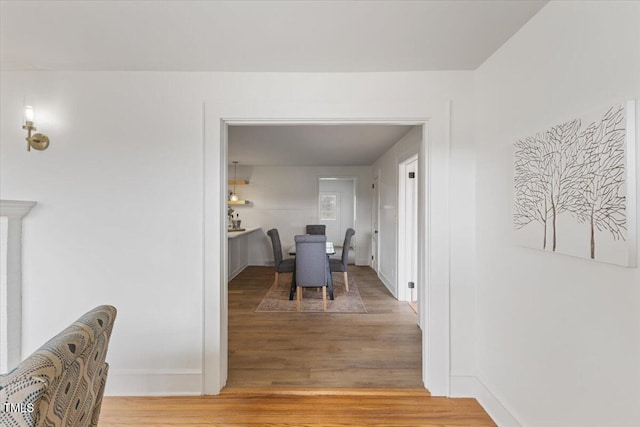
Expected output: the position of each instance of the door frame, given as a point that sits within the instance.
(375, 223)
(403, 232)
(433, 271)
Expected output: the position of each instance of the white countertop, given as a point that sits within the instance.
(234, 234)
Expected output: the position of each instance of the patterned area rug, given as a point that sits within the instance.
(277, 300)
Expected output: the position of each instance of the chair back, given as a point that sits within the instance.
(316, 229)
(345, 247)
(62, 383)
(311, 260)
(277, 247)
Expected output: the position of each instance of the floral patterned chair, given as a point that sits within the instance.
(61, 383)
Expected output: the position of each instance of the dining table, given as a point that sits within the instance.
(330, 250)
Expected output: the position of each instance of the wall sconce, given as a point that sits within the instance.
(36, 141)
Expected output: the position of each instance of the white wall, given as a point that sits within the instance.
(558, 336)
(119, 215)
(386, 170)
(286, 198)
(121, 196)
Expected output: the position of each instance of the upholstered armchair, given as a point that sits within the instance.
(62, 383)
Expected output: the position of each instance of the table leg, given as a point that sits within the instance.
(329, 280)
(293, 283)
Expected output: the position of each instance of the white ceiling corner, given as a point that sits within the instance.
(304, 36)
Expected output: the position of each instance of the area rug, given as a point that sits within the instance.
(277, 300)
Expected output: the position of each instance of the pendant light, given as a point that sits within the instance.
(233, 197)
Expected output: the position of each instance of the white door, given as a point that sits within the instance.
(408, 231)
(375, 207)
(337, 202)
(412, 229)
(331, 214)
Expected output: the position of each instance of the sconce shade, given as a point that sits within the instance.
(28, 113)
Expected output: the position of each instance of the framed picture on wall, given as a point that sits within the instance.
(575, 187)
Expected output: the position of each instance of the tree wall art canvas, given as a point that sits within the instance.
(574, 187)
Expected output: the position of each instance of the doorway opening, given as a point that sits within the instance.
(337, 204)
(435, 336)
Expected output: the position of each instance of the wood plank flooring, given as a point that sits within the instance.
(381, 348)
(310, 369)
(246, 408)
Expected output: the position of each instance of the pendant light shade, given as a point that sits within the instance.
(233, 197)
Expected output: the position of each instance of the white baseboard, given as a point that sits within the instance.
(471, 386)
(387, 283)
(184, 382)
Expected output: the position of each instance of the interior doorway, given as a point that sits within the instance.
(435, 335)
(337, 201)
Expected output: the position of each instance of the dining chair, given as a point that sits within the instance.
(315, 229)
(340, 265)
(311, 266)
(280, 265)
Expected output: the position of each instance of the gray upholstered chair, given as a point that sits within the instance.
(281, 265)
(311, 265)
(340, 265)
(61, 383)
(315, 229)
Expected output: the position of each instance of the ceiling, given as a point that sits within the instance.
(304, 36)
(312, 145)
(263, 36)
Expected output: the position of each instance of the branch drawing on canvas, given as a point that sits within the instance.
(570, 187)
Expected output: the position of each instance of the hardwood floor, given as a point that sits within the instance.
(255, 408)
(311, 369)
(380, 348)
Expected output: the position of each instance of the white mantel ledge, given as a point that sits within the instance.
(15, 208)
